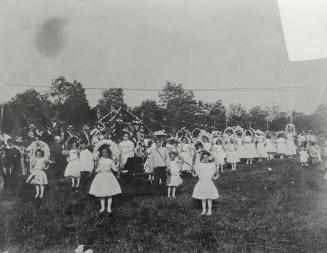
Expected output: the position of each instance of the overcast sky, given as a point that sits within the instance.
(143, 43)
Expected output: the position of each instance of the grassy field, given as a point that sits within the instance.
(284, 210)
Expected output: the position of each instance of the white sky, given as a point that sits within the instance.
(143, 43)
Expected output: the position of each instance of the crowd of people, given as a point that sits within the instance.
(56, 152)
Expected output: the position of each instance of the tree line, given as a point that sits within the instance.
(66, 102)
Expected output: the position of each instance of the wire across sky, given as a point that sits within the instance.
(222, 89)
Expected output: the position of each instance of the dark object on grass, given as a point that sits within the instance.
(134, 168)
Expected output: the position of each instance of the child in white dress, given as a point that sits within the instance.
(261, 148)
(105, 185)
(290, 148)
(271, 147)
(249, 151)
(232, 154)
(281, 147)
(73, 166)
(205, 189)
(38, 176)
(173, 178)
(303, 156)
(220, 154)
(315, 153)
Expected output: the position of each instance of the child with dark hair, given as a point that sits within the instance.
(38, 176)
(105, 185)
(10, 164)
(220, 154)
(173, 178)
(73, 166)
(86, 165)
(205, 189)
(303, 153)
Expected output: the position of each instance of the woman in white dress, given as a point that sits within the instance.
(105, 185)
(126, 148)
(185, 151)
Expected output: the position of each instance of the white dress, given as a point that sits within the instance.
(86, 161)
(290, 146)
(248, 148)
(105, 183)
(232, 155)
(219, 153)
(303, 156)
(207, 146)
(281, 146)
(185, 152)
(239, 147)
(261, 147)
(271, 147)
(73, 166)
(126, 151)
(174, 179)
(38, 175)
(205, 188)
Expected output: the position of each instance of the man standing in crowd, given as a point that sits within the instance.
(47, 136)
(159, 162)
(85, 136)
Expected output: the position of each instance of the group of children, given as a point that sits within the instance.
(204, 159)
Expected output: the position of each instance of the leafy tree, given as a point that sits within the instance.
(236, 115)
(259, 117)
(69, 102)
(153, 116)
(113, 97)
(179, 104)
(213, 115)
(26, 108)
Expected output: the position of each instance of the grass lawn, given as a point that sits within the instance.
(284, 210)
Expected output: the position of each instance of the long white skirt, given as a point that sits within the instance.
(232, 157)
(38, 177)
(220, 158)
(205, 189)
(271, 148)
(290, 148)
(281, 148)
(105, 185)
(73, 169)
(174, 180)
(249, 151)
(262, 150)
